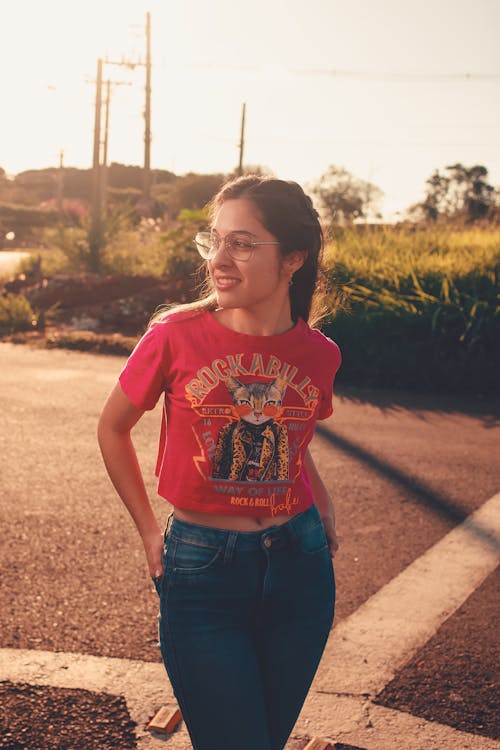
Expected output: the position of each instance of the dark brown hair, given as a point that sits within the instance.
(287, 213)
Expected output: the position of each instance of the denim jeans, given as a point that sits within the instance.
(244, 619)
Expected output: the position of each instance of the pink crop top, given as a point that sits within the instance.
(238, 412)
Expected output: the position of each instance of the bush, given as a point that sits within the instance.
(25, 220)
(15, 314)
(87, 341)
(424, 308)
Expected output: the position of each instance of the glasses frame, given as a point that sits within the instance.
(210, 254)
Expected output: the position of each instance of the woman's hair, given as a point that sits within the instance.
(287, 213)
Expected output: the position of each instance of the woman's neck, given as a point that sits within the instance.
(256, 322)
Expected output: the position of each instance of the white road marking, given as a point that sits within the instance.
(361, 723)
(366, 649)
(362, 654)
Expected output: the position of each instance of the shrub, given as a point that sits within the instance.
(424, 308)
(15, 314)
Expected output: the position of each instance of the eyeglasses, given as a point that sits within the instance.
(237, 246)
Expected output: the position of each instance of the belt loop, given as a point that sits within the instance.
(230, 545)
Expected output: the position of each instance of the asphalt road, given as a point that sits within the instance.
(403, 469)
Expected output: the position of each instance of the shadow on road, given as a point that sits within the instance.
(484, 408)
(438, 503)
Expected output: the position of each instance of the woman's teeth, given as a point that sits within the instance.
(226, 283)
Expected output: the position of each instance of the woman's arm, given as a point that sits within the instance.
(118, 417)
(323, 502)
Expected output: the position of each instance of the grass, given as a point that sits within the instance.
(422, 306)
(394, 256)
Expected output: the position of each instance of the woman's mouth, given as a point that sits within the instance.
(225, 282)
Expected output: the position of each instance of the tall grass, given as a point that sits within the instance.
(422, 306)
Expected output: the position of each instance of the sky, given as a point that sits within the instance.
(388, 89)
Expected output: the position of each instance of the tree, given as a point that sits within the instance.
(460, 193)
(343, 197)
(191, 191)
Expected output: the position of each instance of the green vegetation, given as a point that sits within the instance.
(142, 249)
(423, 307)
(15, 314)
(87, 341)
(412, 306)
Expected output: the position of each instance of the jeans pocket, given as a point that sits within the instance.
(313, 540)
(193, 557)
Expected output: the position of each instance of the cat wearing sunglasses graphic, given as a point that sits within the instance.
(254, 448)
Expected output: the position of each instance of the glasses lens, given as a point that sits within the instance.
(239, 248)
(203, 243)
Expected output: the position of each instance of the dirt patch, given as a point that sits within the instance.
(48, 718)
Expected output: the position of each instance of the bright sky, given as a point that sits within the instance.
(375, 86)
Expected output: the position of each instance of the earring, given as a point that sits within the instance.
(290, 281)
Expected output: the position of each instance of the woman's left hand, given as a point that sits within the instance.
(331, 536)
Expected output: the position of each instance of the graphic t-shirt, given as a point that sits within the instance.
(238, 411)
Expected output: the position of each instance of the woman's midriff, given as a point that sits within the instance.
(231, 523)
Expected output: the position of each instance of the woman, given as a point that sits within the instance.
(243, 569)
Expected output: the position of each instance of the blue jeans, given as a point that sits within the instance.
(244, 619)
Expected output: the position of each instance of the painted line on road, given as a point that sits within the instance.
(145, 688)
(365, 650)
(359, 722)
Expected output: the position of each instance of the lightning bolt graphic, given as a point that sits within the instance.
(199, 461)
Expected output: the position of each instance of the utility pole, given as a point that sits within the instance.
(106, 124)
(147, 117)
(60, 182)
(242, 140)
(146, 193)
(95, 235)
(104, 183)
(105, 143)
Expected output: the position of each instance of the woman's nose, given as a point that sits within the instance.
(221, 256)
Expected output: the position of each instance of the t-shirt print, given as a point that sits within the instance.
(254, 448)
(254, 412)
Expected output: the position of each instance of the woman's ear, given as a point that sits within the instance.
(294, 261)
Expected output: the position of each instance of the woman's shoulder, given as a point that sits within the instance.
(323, 342)
(177, 315)
(165, 324)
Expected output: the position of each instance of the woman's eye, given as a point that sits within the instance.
(241, 244)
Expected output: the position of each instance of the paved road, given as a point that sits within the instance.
(404, 469)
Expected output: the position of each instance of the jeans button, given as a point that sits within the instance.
(267, 542)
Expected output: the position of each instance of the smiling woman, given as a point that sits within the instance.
(243, 568)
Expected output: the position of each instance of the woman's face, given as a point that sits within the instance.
(246, 284)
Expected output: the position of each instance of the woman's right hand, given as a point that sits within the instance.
(153, 547)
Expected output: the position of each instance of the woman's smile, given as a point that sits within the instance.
(225, 282)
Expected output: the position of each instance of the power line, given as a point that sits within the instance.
(387, 75)
(357, 74)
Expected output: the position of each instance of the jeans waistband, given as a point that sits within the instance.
(210, 536)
